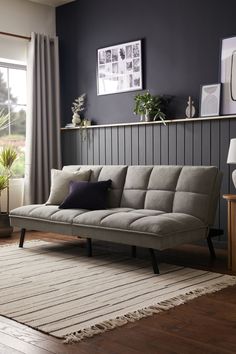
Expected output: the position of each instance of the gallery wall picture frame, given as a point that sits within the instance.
(228, 75)
(119, 68)
(210, 100)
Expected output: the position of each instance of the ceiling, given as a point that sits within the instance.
(53, 3)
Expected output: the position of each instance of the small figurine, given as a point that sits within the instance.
(190, 110)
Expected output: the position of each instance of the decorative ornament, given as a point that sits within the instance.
(190, 110)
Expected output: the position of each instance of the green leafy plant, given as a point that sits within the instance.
(3, 186)
(153, 106)
(4, 120)
(8, 156)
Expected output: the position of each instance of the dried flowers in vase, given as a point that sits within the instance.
(78, 106)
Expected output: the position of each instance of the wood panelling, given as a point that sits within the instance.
(203, 142)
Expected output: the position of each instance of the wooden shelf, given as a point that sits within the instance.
(168, 121)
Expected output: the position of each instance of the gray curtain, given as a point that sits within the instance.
(43, 146)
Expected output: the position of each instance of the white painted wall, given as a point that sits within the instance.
(23, 17)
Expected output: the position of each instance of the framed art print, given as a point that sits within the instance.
(119, 68)
(210, 100)
(228, 75)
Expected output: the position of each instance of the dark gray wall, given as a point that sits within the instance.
(181, 49)
(181, 52)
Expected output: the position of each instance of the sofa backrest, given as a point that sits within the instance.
(197, 192)
(191, 190)
(180, 189)
(148, 187)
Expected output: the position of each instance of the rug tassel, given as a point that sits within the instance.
(146, 312)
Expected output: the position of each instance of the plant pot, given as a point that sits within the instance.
(147, 117)
(5, 227)
(86, 123)
(76, 120)
(141, 117)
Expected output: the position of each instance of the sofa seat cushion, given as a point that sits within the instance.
(167, 223)
(141, 227)
(141, 220)
(49, 213)
(159, 223)
(95, 217)
(124, 220)
(115, 219)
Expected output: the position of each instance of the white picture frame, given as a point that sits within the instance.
(228, 75)
(210, 100)
(119, 68)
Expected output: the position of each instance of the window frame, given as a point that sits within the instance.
(9, 65)
(11, 106)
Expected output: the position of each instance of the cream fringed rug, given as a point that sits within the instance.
(58, 290)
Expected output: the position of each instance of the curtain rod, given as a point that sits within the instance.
(15, 35)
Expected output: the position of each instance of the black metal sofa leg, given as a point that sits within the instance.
(211, 247)
(89, 247)
(154, 261)
(22, 238)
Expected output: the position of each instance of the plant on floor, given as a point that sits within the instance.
(150, 106)
(8, 155)
(3, 186)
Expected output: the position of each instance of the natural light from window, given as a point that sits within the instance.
(13, 106)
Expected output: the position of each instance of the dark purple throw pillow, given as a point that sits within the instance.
(87, 195)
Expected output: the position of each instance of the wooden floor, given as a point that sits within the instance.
(205, 325)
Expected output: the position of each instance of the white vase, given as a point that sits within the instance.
(142, 118)
(76, 120)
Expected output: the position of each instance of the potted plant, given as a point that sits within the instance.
(7, 157)
(78, 120)
(150, 107)
(78, 106)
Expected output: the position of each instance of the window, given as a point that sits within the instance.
(13, 108)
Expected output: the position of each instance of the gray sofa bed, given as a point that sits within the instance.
(156, 207)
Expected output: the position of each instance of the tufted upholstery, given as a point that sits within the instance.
(169, 188)
(180, 189)
(150, 187)
(149, 206)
